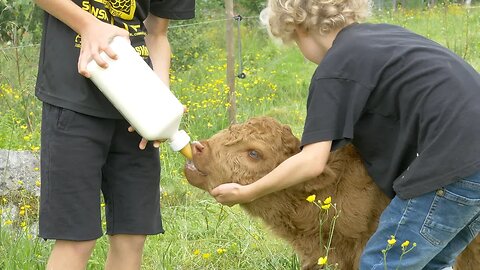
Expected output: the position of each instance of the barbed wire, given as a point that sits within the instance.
(207, 22)
(170, 27)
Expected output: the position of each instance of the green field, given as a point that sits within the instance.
(201, 234)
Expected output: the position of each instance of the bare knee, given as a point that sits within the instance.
(83, 248)
(70, 254)
(125, 252)
(127, 243)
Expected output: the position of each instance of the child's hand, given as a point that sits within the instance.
(156, 144)
(96, 38)
(143, 143)
(230, 194)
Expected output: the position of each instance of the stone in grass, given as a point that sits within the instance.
(19, 170)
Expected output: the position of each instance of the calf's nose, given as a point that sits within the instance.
(197, 147)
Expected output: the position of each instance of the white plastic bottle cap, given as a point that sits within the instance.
(179, 140)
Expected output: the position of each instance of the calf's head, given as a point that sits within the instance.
(241, 154)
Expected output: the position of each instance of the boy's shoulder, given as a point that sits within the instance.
(368, 47)
(369, 34)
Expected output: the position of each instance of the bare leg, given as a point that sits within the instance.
(72, 255)
(125, 252)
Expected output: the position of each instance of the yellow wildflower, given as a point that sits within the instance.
(326, 206)
(37, 183)
(322, 260)
(328, 200)
(23, 224)
(311, 198)
(196, 252)
(21, 213)
(392, 240)
(405, 244)
(8, 222)
(221, 250)
(206, 256)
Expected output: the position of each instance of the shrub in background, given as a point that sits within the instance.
(20, 22)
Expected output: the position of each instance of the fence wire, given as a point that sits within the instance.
(170, 27)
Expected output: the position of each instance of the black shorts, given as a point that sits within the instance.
(173, 9)
(83, 156)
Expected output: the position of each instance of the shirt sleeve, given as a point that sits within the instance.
(173, 9)
(333, 107)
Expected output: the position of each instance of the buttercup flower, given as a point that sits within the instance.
(322, 260)
(405, 244)
(311, 198)
(326, 206)
(328, 200)
(392, 240)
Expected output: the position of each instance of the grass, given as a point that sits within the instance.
(201, 234)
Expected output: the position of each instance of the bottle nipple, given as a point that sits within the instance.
(187, 152)
(180, 141)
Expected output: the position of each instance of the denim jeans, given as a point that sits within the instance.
(441, 224)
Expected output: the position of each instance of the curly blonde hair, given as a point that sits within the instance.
(321, 16)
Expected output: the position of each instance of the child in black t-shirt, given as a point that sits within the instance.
(87, 149)
(409, 105)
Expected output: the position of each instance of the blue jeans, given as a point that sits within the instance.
(441, 223)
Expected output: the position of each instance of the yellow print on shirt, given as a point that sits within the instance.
(124, 9)
(142, 51)
(100, 14)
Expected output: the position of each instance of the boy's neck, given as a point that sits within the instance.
(324, 43)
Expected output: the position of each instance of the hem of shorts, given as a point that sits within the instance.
(135, 233)
(76, 107)
(68, 238)
(406, 193)
(176, 15)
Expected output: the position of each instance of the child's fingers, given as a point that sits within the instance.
(82, 64)
(157, 143)
(143, 144)
(100, 61)
(109, 51)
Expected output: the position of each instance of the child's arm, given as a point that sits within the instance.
(159, 46)
(307, 164)
(96, 35)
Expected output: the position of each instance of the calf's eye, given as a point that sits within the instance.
(253, 154)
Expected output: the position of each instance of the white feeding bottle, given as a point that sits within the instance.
(140, 96)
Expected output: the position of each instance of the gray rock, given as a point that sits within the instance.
(19, 170)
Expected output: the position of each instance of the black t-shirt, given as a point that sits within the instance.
(58, 81)
(409, 105)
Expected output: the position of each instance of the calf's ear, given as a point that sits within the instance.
(291, 144)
